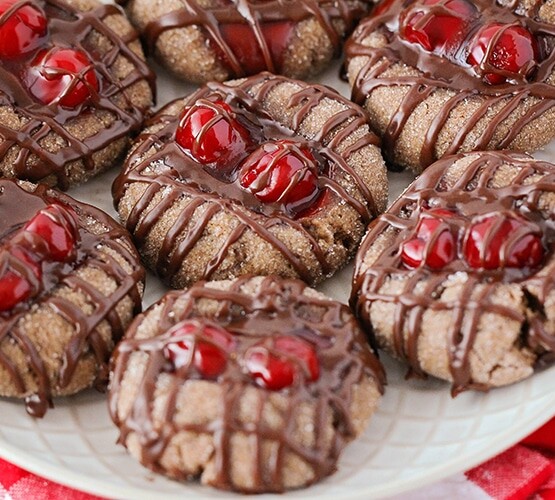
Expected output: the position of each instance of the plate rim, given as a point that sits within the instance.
(82, 482)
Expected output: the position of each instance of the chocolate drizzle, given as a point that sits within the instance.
(68, 27)
(276, 307)
(175, 169)
(93, 251)
(255, 14)
(470, 195)
(456, 76)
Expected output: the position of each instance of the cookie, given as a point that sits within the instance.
(439, 77)
(264, 175)
(458, 277)
(73, 87)
(70, 283)
(205, 40)
(253, 385)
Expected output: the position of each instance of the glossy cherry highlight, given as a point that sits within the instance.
(206, 347)
(501, 52)
(437, 25)
(211, 133)
(15, 284)
(63, 76)
(57, 228)
(22, 28)
(499, 241)
(433, 244)
(282, 172)
(276, 364)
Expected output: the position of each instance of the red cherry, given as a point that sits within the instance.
(491, 243)
(507, 48)
(283, 172)
(275, 367)
(15, 288)
(243, 43)
(57, 227)
(206, 345)
(22, 30)
(433, 243)
(211, 134)
(65, 76)
(437, 25)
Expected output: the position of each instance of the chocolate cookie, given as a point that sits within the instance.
(70, 282)
(458, 277)
(254, 385)
(439, 77)
(73, 87)
(204, 40)
(258, 176)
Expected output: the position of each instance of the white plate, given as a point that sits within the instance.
(419, 434)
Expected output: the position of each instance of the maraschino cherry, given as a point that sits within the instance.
(211, 133)
(498, 241)
(275, 365)
(57, 228)
(242, 42)
(61, 75)
(437, 25)
(22, 28)
(206, 346)
(14, 287)
(433, 243)
(282, 172)
(504, 51)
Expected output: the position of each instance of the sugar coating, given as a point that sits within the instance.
(338, 228)
(188, 54)
(49, 333)
(191, 455)
(382, 104)
(500, 354)
(86, 125)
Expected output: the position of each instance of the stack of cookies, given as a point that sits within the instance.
(256, 187)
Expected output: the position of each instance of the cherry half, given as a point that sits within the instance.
(503, 51)
(22, 28)
(210, 132)
(437, 25)
(14, 287)
(57, 227)
(499, 241)
(242, 41)
(275, 365)
(433, 243)
(282, 172)
(63, 76)
(207, 346)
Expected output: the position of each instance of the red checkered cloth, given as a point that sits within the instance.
(525, 471)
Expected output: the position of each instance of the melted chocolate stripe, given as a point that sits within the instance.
(470, 195)
(185, 177)
(44, 119)
(440, 73)
(279, 305)
(19, 206)
(255, 14)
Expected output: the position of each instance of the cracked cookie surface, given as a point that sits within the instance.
(205, 40)
(254, 385)
(439, 77)
(264, 175)
(70, 283)
(457, 278)
(73, 88)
